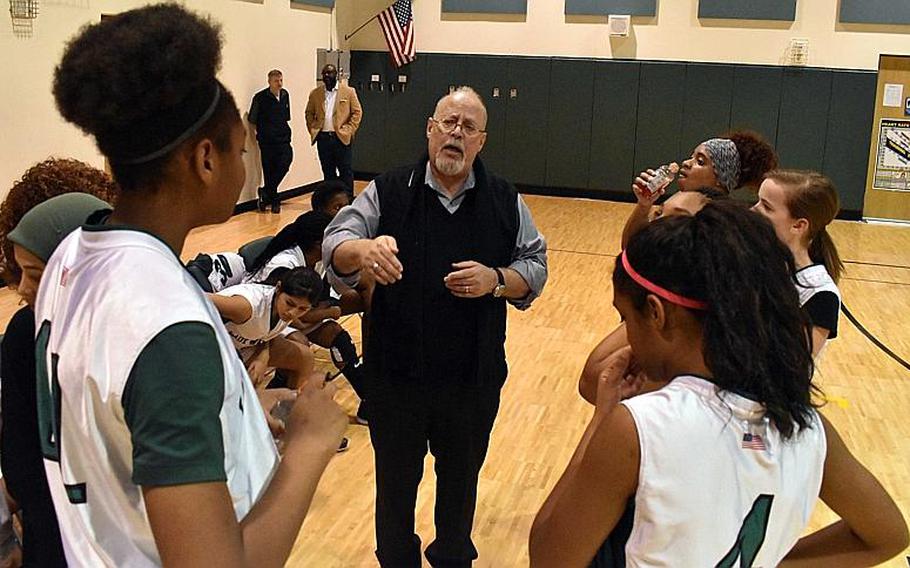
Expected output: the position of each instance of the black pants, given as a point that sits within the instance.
(452, 420)
(335, 158)
(276, 161)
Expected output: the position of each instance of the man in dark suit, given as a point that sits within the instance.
(269, 115)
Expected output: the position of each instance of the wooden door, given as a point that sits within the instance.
(887, 187)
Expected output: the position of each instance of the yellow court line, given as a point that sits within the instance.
(839, 400)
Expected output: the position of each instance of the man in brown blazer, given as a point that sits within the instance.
(333, 135)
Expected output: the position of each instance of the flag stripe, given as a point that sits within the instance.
(753, 442)
(392, 23)
(398, 37)
(393, 38)
(410, 47)
(389, 36)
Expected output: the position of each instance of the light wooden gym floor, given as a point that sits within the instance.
(541, 417)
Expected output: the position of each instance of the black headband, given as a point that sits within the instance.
(179, 139)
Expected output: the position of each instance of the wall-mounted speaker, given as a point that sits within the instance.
(619, 25)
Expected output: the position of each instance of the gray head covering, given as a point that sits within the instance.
(725, 156)
(47, 224)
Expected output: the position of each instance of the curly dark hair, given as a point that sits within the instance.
(712, 193)
(137, 81)
(756, 337)
(325, 191)
(41, 182)
(756, 157)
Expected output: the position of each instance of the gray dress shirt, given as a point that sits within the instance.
(360, 220)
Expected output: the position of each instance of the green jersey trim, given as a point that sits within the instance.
(172, 403)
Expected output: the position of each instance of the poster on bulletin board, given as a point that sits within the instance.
(892, 165)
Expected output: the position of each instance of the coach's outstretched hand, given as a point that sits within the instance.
(379, 258)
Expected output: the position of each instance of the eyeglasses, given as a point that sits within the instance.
(448, 126)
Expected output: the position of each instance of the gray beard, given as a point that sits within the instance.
(449, 166)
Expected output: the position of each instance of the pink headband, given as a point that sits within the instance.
(659, 291)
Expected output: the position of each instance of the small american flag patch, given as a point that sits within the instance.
(753, 442)
(63, 277)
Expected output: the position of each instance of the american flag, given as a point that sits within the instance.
(753, 442)
(397, 23)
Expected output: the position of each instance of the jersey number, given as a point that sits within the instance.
(223, 268)
(49, 409)
(48, 396)
(751, 535)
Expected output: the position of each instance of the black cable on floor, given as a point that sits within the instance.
(881, 264)
(872, 338)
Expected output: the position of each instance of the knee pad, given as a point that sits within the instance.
(343, 351)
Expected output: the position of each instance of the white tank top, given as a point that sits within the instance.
(288, 258)
(258, 329)
(712, 471)
(228, 269)
(812, 280)
(103, 296)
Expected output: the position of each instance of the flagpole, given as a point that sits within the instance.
(363, 25)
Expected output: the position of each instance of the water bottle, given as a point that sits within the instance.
(662, 178)
(282, 410)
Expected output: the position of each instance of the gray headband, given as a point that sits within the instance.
(725, 156)
(180, 139)
(46, 224)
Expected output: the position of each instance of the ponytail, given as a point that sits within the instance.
(305, 232)
(823, 251)
(812, 196)
(755, 337)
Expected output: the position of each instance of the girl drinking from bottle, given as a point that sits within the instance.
(741, 159)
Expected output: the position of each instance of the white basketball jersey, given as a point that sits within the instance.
(258, 329)
(812, 280)
(717, 483)
(105, 294)
(228, 269)
(289, 258)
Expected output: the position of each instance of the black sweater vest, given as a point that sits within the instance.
(419, 330)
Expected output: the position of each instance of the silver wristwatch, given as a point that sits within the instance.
(500, 288)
